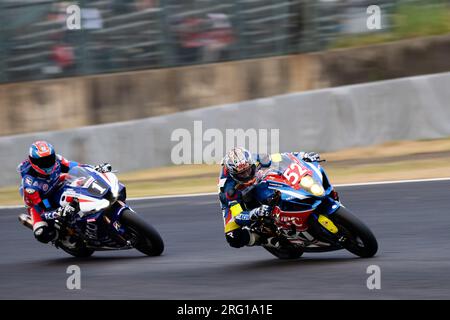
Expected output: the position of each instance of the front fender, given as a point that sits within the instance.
(121, 207)
(115, 214)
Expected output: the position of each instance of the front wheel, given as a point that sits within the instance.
(148, 240)
(358, 239)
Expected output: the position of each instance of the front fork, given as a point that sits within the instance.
(113, 220)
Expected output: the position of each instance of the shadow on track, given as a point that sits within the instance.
(274, 263)
(92, 260)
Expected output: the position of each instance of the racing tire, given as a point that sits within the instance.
(360, 240)
(148, 239)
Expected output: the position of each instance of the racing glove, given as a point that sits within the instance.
(103, 168)
(262, 211)
(310, 156)
(61, 212)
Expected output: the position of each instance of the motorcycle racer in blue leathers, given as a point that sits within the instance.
(42, 175)
(238, 172)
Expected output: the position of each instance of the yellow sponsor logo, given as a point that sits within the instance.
(327, 224)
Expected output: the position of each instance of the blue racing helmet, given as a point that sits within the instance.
(42, 157)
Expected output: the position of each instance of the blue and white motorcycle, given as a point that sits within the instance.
(101, 220)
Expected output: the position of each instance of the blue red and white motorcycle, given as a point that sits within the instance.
(306, 214)
(101, 220)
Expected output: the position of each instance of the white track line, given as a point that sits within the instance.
(11, 207)
(215, 193)
(391, 182)
(174, 196)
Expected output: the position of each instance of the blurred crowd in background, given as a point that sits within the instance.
(122, 35)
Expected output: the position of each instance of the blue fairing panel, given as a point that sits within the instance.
(300, 200)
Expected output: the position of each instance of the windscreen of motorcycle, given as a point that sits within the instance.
(82, 178)
(287, 169)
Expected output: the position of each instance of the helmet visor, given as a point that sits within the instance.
(45, 163)
(245, 174)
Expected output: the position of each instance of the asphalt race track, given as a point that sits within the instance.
(410, 220)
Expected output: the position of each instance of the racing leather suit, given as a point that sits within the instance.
(237, 213)
(41, 193)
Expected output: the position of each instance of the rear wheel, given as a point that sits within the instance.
(359, 240)
(148, 240)
(285, 253)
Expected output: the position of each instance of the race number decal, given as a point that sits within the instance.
(96, 186)
(294, 173)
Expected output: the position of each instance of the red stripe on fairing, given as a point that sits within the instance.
(85, 200)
